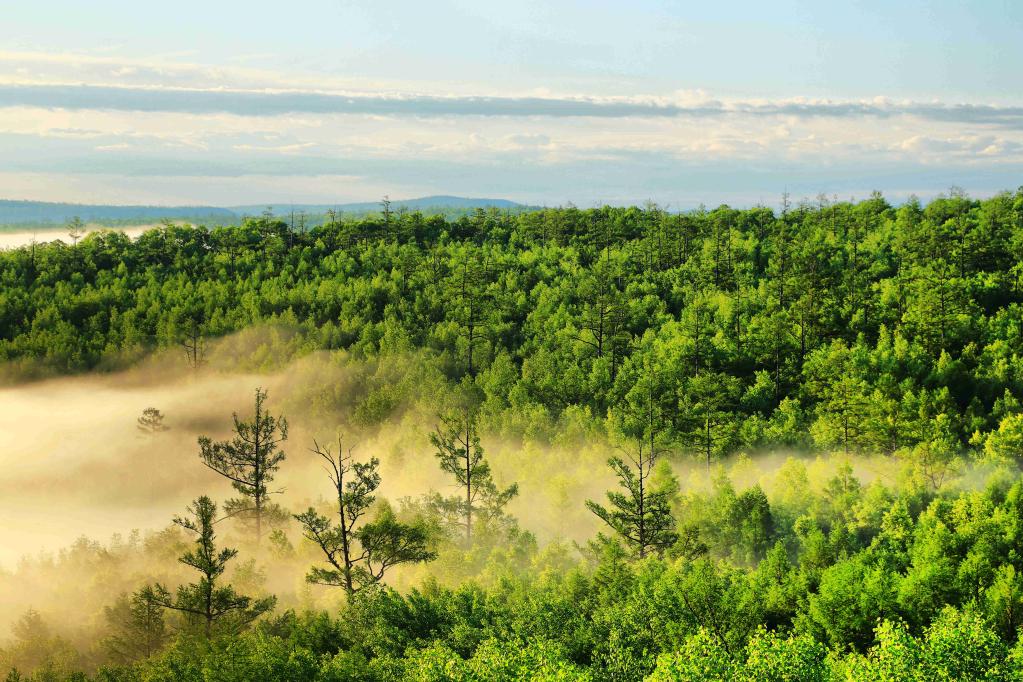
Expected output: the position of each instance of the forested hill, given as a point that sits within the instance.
(428, 204)
(42, 213)
(820, 331)
(853, 326)
(22, 214)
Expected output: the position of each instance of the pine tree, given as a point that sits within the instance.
(359, 553)
(75, 229)
(194, 343)
(151, 422)
(249, 461)
(461, 455)
(641, 514)
(207, 601)
(139, 630)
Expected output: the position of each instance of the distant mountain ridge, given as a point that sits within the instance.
(13, 212)
(437, 201)
(52, 212)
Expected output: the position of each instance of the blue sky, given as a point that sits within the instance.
(317, 101)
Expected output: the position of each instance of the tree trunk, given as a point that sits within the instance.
(468, 483)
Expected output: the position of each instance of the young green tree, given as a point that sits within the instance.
(75, 229)
(843, 402)
(193, 342)
(151, 422)
(460, 454)
(359, 553)
(207, 601)
(36, 648)
(470, 303)
(249, 461)
(599, 319)
(641, 514)
(1005, 444)
(706, 414)
(934, 460)
(137, 628)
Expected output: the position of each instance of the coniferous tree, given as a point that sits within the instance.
(641, 514)
(151, 422)
(138, 628)
(208, 601)
(250, 460)
(706, 421)
(193, 342)
(359, 553)
(75, 229)
(471, 303)
(600, 316)
(460, 454)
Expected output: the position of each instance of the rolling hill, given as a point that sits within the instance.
(52, 214)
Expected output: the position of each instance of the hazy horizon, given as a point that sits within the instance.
(924, 195)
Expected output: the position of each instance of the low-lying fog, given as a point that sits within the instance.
(13, 240)
(74, 462)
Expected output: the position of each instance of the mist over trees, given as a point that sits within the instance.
(461, 456)
(250, 460)
(207, 602)
(359, 554)
(696, 346)
(831, 324)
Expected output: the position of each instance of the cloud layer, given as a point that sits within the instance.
(95, 128)
(256, 103)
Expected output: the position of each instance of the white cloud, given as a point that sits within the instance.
(164, 118)
(276, 149)
(266, 102)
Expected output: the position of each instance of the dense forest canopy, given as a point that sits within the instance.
(707, 338)
(833, 325)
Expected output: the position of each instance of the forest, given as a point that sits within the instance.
(555, 444)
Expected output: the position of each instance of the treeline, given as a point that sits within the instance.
(861, 327)
(51, 215)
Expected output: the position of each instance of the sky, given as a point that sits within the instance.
(682, 103)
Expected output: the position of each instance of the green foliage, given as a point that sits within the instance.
(859, 327)
(768, 658)
(921, 594)
(249, 461)
(641, 516)
(137, 628)
(461, 456)
(1006, 442)
(958, 646)
(206, 602)
(358, 554)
